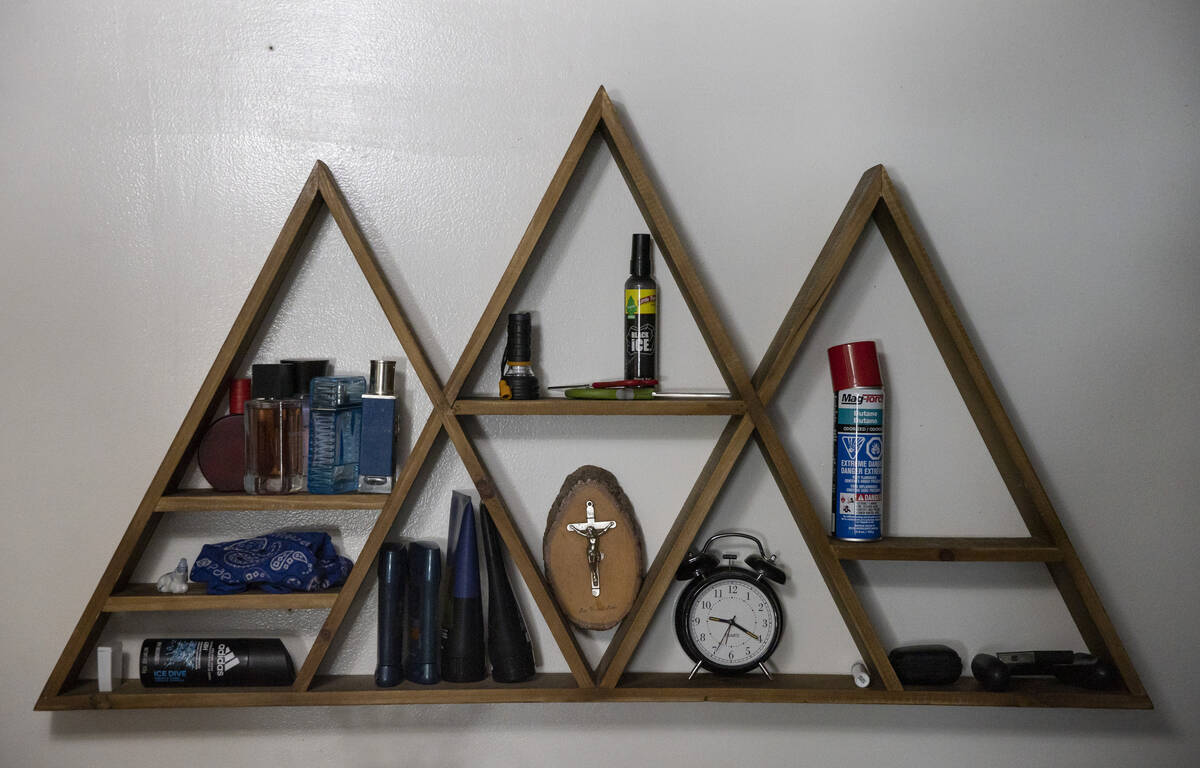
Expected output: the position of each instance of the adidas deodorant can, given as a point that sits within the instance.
(229, 661)
(857, 442)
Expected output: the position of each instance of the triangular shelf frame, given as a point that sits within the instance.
(746, 412)
(114, 593)
(875, 197)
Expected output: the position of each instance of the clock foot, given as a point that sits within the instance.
(765, 670)
(695, 669)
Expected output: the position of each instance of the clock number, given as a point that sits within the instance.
(717, 594)
(707, 605)
(733, 589)
(702, 637)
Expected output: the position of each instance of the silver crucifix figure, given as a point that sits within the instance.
(591, 530)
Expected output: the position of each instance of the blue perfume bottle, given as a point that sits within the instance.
(377, 458)
(334, 432)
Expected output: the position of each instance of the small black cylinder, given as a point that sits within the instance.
(390, 667)
(520, 341)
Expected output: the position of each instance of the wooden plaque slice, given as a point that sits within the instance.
(565, 552)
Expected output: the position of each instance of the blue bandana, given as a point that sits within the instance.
(276, 562)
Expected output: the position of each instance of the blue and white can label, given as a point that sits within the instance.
(858, 464)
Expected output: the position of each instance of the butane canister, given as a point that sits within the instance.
(857, 442)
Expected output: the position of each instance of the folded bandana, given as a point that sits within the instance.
(277, 562)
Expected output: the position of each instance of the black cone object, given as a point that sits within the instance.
(508, 640)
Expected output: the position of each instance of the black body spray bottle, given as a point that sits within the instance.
(641, 313)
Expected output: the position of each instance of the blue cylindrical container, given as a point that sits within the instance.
(389, 669)
(424, 638)
(857, 442)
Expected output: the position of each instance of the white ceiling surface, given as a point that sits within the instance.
(1048, 157)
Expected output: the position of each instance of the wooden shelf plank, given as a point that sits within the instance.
(325, 691)
(949, 549)
(561, 687)
(561, 406)
(1028, 692)
(203, 500)
(146, 597)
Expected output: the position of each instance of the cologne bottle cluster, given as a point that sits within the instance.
(301, 427)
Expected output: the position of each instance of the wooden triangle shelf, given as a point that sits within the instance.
(875, 198)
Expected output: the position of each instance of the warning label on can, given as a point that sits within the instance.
(858, 464)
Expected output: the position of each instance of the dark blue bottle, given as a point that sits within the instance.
(462, 641)
(424, 584)
(389, 669)
(380, 411)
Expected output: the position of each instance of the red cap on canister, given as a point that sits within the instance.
(239, 393)
(854, 365)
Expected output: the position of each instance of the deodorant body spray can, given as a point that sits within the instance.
(641, 313)
(857, 442)
(222, 661)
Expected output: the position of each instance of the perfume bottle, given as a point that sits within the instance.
(334, 432)
(274, 463)
(222, 451)
(380, 413)
(304, 371)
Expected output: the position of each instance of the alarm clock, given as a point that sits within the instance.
(728, 618)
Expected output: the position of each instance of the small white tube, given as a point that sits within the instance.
(862, 678)
(108, 666)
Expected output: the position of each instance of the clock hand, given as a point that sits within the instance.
(722, 640)
(733, 623)
(714, 618)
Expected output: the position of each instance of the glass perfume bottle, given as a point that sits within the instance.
(334, 432)
(380, 413)
(274, 462)
(304, 371)
(222, 452)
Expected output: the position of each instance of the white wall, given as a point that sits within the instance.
(1048, 153)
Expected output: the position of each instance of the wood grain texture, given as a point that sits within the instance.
(145, 518)
(948, 549)
(996, 429)
(494, 406)
(358, 690)
(146, 597)
(622, 549)
(205, 500)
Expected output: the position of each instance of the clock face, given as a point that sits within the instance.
(732, 623)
